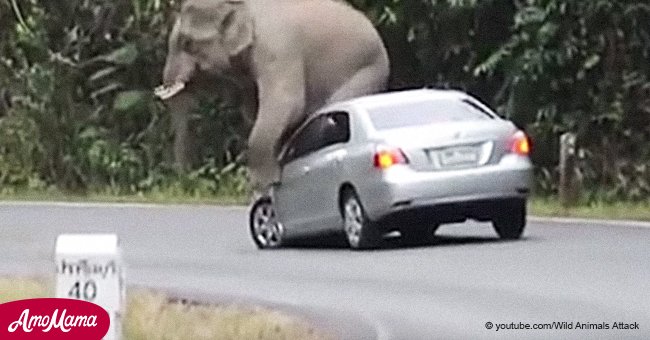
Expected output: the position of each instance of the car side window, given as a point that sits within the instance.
(336, 128)
(306, 141)
(323, 131)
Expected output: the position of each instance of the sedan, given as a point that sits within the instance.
(403, 162)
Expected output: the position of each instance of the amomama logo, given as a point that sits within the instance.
(53, 319)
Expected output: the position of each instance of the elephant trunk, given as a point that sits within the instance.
(177, 74)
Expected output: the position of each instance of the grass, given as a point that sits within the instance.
(613, 211)
(153, 316)
(154, 197)
(18, 289)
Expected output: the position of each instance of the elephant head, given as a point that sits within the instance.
(207, 36)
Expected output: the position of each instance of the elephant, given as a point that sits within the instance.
(290, 57)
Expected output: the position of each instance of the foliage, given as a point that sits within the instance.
(75, 71)
(77, 111)
(597, 52)
(19, 147)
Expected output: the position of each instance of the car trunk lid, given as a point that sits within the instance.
(454, 145)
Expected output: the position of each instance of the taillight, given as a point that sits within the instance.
(520, 144)
(385, 158)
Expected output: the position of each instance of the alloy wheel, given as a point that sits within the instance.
(353, 221)
(267, 230)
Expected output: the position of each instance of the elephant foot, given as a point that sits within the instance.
(258, 194)
(263, 177)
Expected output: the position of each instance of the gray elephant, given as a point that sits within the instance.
(291, 56)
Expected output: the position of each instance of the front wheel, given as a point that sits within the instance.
(510, 220)
(266, 230)
(359, 230)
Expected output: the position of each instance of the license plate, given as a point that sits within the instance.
(459, 156)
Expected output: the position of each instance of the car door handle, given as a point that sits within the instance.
(306, 170)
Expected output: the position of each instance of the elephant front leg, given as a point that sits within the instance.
(264, 145)
(262, 163)
(281, 109)
(249, 103)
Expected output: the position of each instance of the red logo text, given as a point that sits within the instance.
(53, 319)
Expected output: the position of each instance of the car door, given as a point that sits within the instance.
(295, 196)
(307, 197)
(325, 166)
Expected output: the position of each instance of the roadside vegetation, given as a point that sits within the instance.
(165, 196)
(78, 117)
(151, 316)
(549, 207)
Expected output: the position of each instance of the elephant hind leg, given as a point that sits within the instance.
(368, 80)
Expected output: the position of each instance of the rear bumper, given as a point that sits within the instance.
(456, 212)
(468, 191)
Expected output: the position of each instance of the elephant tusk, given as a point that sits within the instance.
(165, 92)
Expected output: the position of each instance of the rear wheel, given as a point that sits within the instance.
(360, 232)
(510, 220)
(266, 230)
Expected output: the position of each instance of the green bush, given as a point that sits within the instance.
(582, 66)
(75, 72)
(20, 152)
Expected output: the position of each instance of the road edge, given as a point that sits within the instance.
(591, 221)
(125, 205)
(326, 321)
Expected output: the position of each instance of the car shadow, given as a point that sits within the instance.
(443, 241)
(397, 243)
(329, 241)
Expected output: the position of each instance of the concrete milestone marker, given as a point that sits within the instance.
(89, 267)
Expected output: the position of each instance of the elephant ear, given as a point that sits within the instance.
(237, 28)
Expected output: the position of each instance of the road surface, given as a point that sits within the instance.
(587, 273)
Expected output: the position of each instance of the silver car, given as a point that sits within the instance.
(403, 161)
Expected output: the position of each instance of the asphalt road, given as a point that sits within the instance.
(560, 272)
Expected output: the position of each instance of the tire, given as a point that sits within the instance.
(360, 232)
(510, 220)
(267, 232)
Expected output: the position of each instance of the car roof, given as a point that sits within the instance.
(395, 97)
(383, 99)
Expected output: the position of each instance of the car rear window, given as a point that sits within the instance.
(427, 112)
